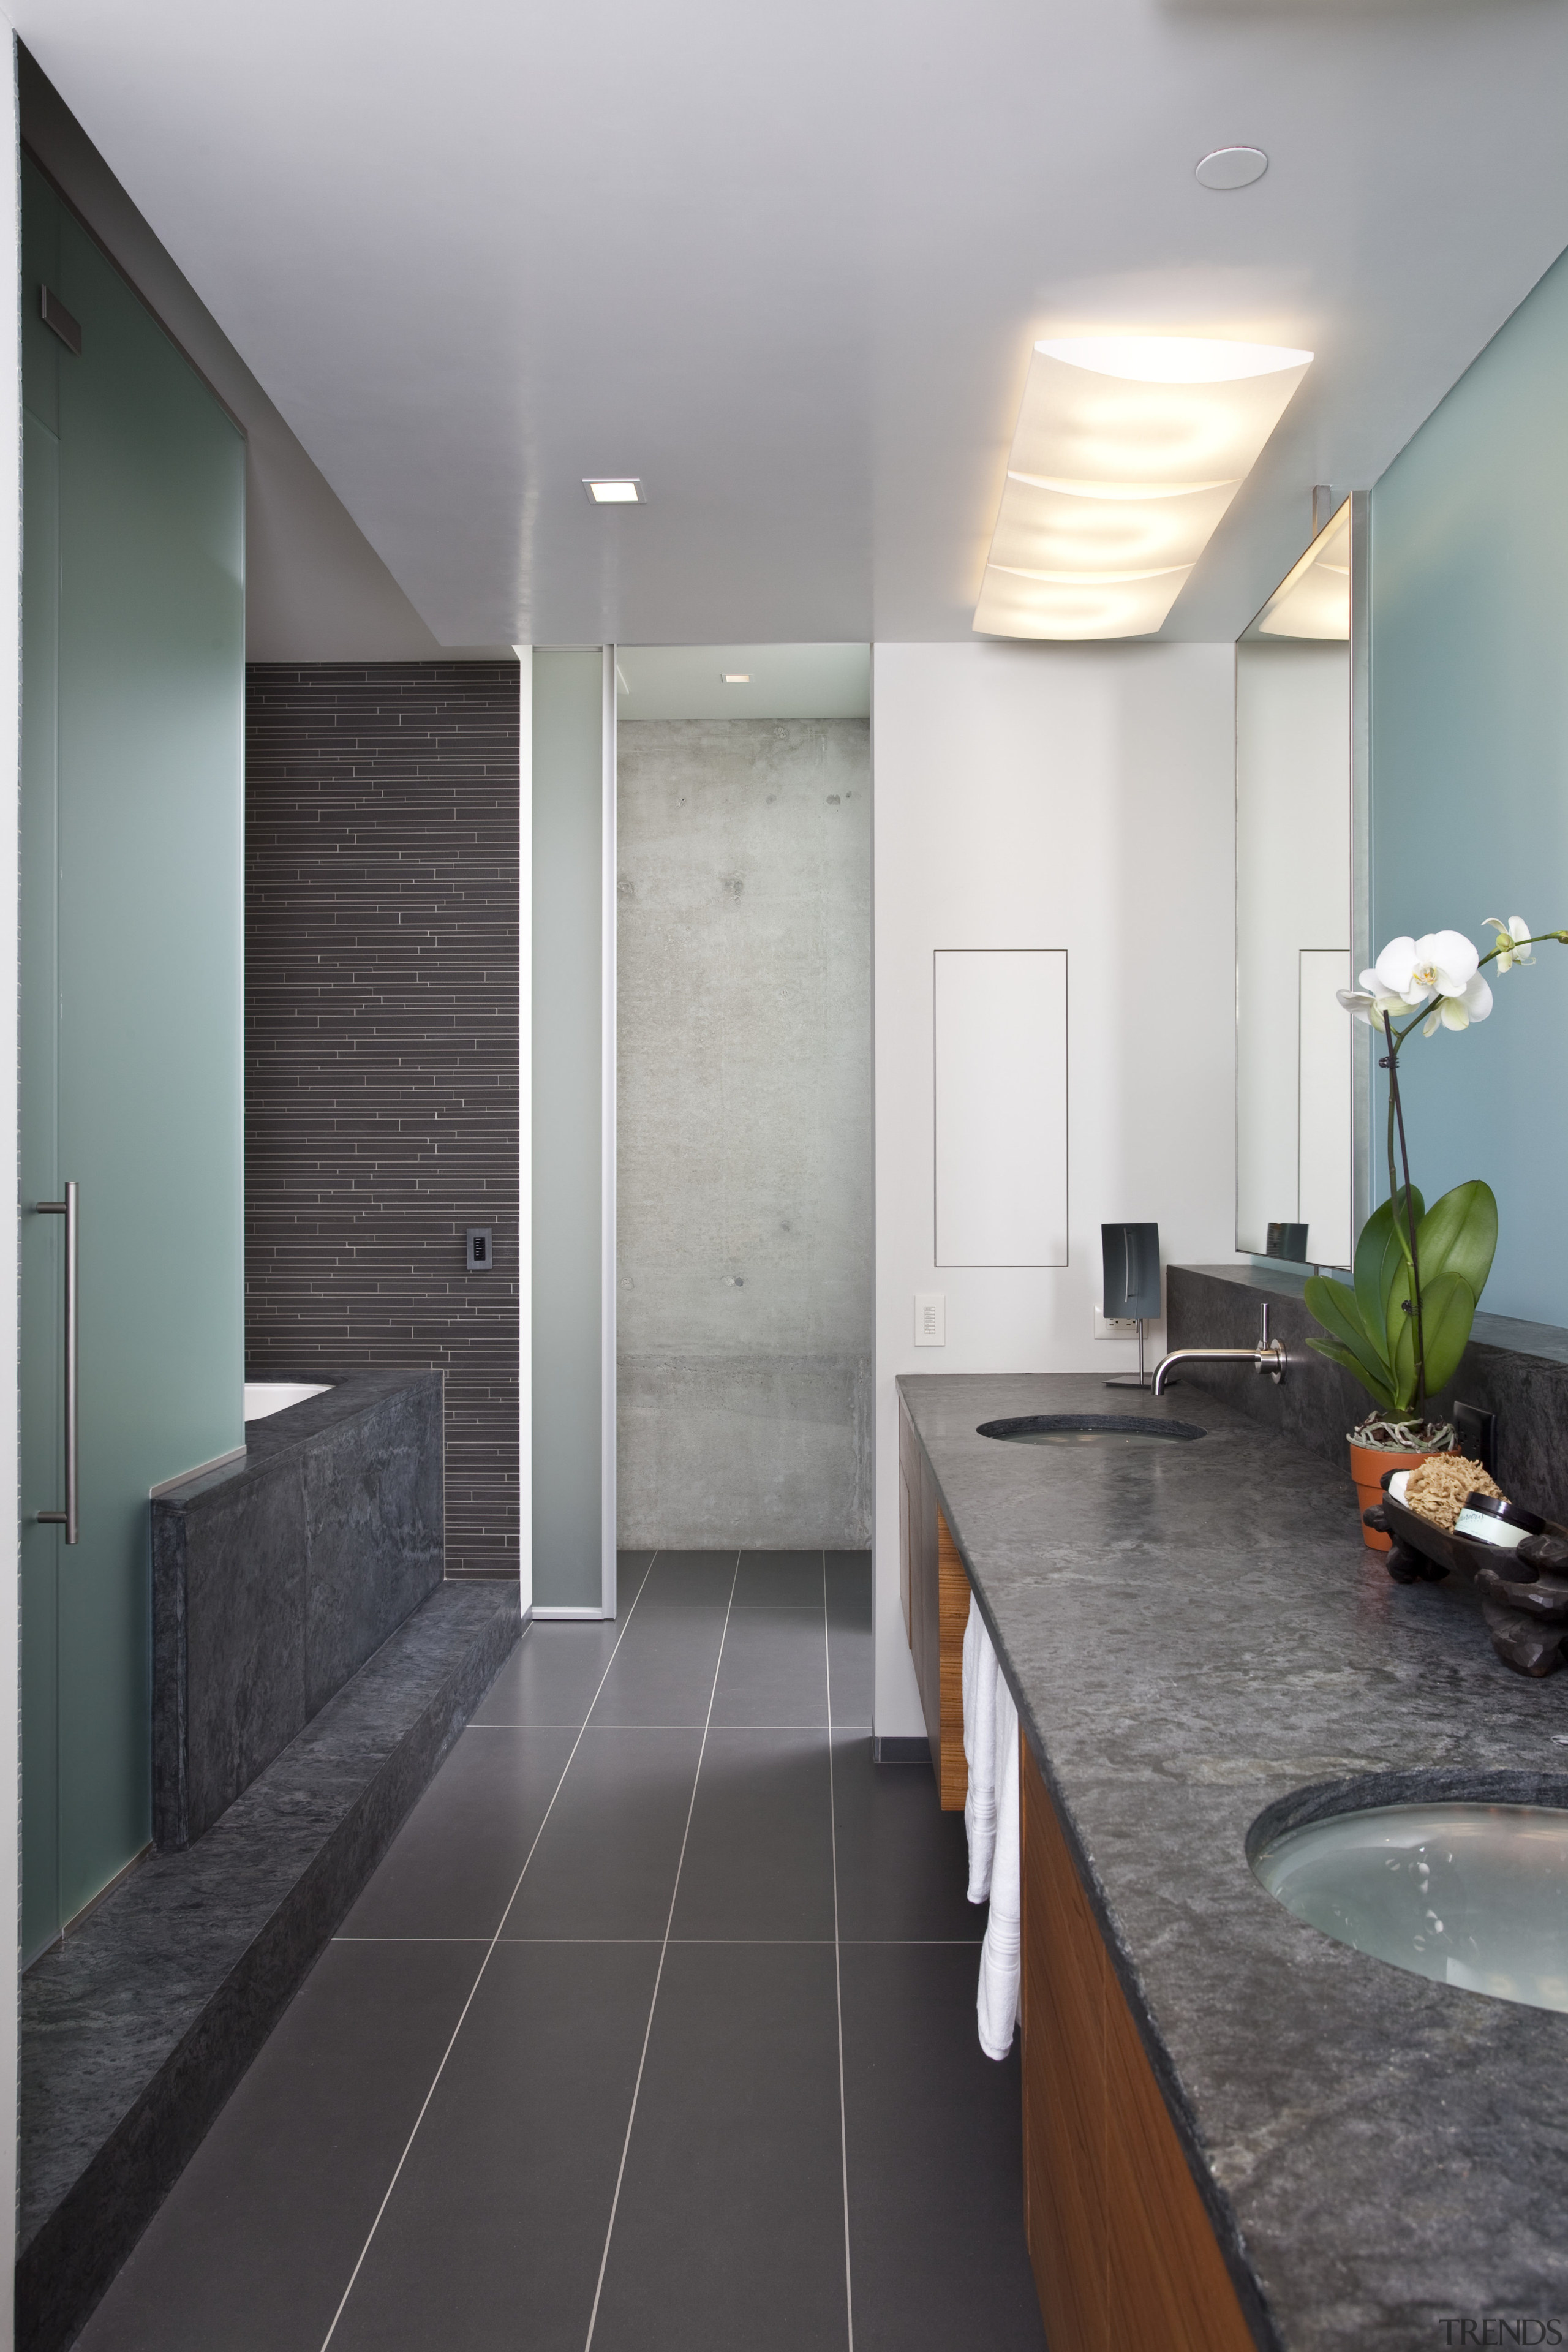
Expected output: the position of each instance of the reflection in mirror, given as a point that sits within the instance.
(1293, 1072)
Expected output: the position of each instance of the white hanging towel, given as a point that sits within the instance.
(991, 1821)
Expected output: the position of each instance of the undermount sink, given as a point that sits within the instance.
(1087, 1429)
(1468, 1894)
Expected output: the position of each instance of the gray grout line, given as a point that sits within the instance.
(478, 1977)
(838, 1974)
(659, 1974)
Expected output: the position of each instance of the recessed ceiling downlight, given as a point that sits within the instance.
(1128, 449)
(613, 490)
(1232, 167)
(736, 676)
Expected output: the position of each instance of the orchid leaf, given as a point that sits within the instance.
(1334, 1305)
(1396, 1287)
(1379, 1390)
(1447, 1311)
(1367, 1276)
(1458, 1236)
(1379, 1263)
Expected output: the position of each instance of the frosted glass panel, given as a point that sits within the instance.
(1001, 1107)
(568, 1194)
(132, 1028)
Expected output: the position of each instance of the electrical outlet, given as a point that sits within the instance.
(1107, 1327)
(930, 1319)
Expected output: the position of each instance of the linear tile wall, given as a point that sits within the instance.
(382, 810)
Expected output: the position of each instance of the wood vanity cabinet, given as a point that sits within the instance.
(934, 1591)
(1120, 2241)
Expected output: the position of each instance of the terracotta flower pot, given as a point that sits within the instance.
(1368, 1465)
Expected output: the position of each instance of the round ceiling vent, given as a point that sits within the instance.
(1232, 167)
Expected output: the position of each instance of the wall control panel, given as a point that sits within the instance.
(930, 1319)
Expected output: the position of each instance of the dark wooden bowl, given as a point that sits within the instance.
(1526, 1609)
(1448, 1549)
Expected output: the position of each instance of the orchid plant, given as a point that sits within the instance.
(1402, 1323)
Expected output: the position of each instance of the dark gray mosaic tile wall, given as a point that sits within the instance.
(382, 1047)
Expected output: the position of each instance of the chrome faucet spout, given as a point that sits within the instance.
(1269, 1356)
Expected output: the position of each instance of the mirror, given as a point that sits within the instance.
(1293, 888)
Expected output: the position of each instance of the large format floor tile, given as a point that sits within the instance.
(494, 2234)
(679, 1580)
(252, 2251)
(937, 2249)
(780, 1579)
(663, 1671)
(730, 2230)
(759, 1858)
(552, 1676)
(903, 1864)
(455, 1864)
(851, 1646)
(774, 1669)
(606, 1859)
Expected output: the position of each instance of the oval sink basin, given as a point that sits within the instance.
(1470, 1895)
(1087, 1429)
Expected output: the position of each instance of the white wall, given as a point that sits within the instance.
(1053, 797)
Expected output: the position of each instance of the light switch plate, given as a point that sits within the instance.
(930, 1319)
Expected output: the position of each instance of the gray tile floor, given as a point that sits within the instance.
(654, 2030)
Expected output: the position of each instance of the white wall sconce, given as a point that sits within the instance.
(1127, 453)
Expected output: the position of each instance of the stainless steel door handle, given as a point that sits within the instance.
(68, 1517)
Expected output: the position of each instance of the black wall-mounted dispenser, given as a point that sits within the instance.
(1131, 1255)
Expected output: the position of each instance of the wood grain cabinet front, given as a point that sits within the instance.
(932, 1575)
(1122, 2248)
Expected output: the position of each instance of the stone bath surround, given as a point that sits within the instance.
(276, 1577)
(1192, 1633)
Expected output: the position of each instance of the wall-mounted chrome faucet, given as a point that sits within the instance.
(1269, 1356)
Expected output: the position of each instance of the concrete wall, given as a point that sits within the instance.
(1051, 796)
(744, 1158)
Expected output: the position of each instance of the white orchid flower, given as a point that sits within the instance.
(1459, 1011)
(1369, 1004)
(1512, 935)
(1439, 964)
(1393, 976)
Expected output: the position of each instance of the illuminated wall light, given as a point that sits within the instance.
(1127, 453)
(1313, 600)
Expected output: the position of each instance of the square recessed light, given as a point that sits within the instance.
(621, 491)
(735, 677)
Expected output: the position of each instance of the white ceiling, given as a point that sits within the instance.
(786, 265)
(831, 681)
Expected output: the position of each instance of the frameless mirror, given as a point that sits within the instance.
(1293, 883)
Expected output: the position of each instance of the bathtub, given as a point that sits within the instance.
(263, 1398)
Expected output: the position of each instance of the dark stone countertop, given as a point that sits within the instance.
(1192, 1633)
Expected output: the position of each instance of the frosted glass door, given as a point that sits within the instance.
(132, 1016)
